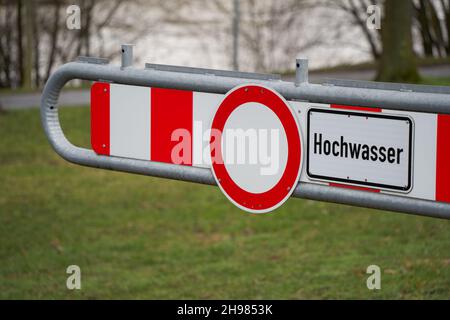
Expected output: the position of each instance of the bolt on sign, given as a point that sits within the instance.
(263, 140)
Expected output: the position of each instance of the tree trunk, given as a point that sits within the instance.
(5, 51)
(53, 40)
(446, 6)
(355, 11)
(397, 63)
(28, 69)
(435, 25)
(36, 53)
(427, 41)
(19, 44)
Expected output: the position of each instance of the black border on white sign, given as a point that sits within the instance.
(357, 182)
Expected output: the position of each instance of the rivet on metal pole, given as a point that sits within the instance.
(127, 55)
(301, 71)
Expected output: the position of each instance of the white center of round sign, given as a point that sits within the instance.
(258, 161)
(262, 147)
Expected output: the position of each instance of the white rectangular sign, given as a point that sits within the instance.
(369, 149)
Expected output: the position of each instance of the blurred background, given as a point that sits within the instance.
(249, 35)
(141, 237)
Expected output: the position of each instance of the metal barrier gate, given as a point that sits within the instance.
(370, 95)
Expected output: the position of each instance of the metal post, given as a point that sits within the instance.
(236, 18)
(127, 55)
(301, 71)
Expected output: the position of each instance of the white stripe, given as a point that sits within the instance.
(130, 121)
(205, 106)
(424, 154)
(301, 110)
(425, 139)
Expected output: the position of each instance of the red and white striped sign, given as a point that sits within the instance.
(139, 123)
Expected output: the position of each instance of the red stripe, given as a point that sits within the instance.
(332, 184)
(100, 118)
(337, 106)
(171, 110)
(443, 158)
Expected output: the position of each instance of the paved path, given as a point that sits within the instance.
(33, 100)
(81, 97)
(429, 71)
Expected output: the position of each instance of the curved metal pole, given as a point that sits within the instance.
(435, 103)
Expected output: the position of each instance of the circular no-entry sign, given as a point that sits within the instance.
(256, 148)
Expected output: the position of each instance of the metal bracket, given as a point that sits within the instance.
(93, 60)
(213, 72)
(127, 55)
(301, 71)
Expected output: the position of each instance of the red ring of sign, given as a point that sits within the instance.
(272, 198)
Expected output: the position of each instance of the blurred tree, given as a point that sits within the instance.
(5, 45)
(19, 44)
(273, 33)
(446, 6)
(29, 48)
(397, 61)
(34, 37)
(270, 31)
(235, 28)
(433, 24)
(53, 38)
(357, 12)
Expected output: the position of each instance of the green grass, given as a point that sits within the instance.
(367, 65)
(141, 237)
(69, 87)
(440, 81)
